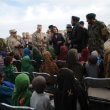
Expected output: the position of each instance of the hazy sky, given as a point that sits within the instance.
(24, 15)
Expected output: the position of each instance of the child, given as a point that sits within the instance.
(9, 69)
(40, 100)
(6, 89)
(22, 94)
(91, 67)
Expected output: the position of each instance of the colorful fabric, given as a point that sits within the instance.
(26, 52)
(26, 65)
(52, 51)
(9, 72)
(48, 66)
(84, 54)
(6, 91)
(63, 53)
(21, 96)
(36, 54)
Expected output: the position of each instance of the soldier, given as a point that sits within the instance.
(97, 32)
(14, 42)
(38, 38)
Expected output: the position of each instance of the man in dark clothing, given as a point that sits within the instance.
(77, 39)
(57, 40)
(68, 35)
(84, 35)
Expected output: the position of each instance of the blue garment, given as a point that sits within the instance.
(99, 60)
(6, 91)
(26, 52)
(3, 54)
(8, 84)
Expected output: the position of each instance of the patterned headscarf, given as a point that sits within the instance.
(49, 66)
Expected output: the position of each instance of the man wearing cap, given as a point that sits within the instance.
(97, 32)
(38, 38)
(14, 41)
(77, 34)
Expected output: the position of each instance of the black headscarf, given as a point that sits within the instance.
(65, 96)
(68, 92)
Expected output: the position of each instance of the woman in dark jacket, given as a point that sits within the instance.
(57, 40)
(69, 92)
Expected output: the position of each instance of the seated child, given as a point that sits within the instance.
(22, 94)
(6, 89)
(40, 100)
(91, 67)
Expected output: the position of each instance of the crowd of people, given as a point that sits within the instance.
(71, 56)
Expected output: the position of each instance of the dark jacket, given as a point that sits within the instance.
(57, 37)
(79, 36)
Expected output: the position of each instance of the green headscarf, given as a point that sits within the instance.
(22, 90)
(26, 65)
(9, 71)
(36, 54)
(51, 50)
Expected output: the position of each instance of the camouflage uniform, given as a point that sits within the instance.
(98, 34)
(38, 40)
(15, 44)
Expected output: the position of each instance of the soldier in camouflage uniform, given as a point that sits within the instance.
(14, 42)
(98, 34)
(38, 38)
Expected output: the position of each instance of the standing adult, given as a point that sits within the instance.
(98, 34)
(77, 39)
(57, 40)
(84, 35)
(14, 42)
(68, 35)
(38, 38)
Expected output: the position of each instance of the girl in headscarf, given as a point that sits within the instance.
(26, 65)
(26, 52)
(36, 54)
(69, 92)
(6, 88)
(52, 51)
(21, 96)
(84, 55)
(63, 53)
(49, 66)
(9, 69)
(73, 64)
